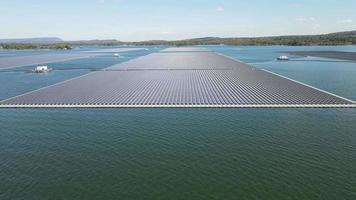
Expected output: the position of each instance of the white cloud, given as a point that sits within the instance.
(301, 19)
(295, 5)
(220, 9)
(308, 22)
(345, 22)
(36, 6)
(316, 26)
(165, 33)
(108, 1)
(305, 19)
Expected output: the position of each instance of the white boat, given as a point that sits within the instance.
(42, 69)
(117, 55)
(283, 58)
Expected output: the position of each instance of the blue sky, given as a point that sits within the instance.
(133, 20)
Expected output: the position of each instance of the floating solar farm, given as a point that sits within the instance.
(19, 61)
(115, 50)
(186, 49)
(180, 77)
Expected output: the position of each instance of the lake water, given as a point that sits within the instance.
(181, 153)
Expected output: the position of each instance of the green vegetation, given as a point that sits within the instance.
(341, 38)
(344, 38)
(35, 46)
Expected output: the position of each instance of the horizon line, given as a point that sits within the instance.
(119, 40)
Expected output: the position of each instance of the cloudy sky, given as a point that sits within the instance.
(133, 20)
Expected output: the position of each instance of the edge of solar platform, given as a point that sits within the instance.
(180, 106)
(84, 56)
(184, 50)
(315, 88)
(290, 79)
(349, 104)
(167, 52)
(2, 102)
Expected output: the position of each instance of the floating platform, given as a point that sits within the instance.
(180, 61)
(21, 61)
(185, 49)
(340, 55)
(180, 79)
(115, 50)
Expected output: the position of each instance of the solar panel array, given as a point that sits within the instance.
(20, 61)
(186, 79)
(115, 50)
(180, 61)
(185, 49)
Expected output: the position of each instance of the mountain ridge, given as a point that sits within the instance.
(35, 40)
(337, 38)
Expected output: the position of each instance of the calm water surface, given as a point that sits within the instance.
(17, 81)
(182, 153)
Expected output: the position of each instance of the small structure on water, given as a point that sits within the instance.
(283, 58)
(42, 69)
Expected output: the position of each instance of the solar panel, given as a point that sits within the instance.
(115, 50)
(20, 61)
(179, 61)
(185, 49)
(186, 79)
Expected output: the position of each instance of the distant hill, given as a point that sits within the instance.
(343, 34)
(95, 42)
(40, 40)
(339, 38)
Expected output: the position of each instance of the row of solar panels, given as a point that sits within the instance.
(19, 61)
(191, 87)
(180, 78)
(180, 61)
(185, 49)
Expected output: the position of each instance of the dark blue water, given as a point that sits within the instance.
(336, 76)
(16, 81)
(184, 153)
